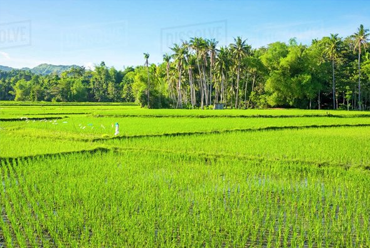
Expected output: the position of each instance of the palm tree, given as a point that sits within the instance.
(197, 44)
(167, 59)
(332, 52)
(146, 57)
(190, 63)
(201, 48)
(179, 57)
(211, 44)
(222, 65)
(204, 57)
(239, 50)
(360, 40)
(255, 68)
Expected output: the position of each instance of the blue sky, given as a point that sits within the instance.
(87, 32)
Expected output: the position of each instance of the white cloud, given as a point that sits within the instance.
(7, 60)
(89, 65)
(286, 26)
(5, 55)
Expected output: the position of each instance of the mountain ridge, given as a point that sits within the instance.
(42, 69)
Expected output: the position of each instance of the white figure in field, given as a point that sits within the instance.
(117, 129)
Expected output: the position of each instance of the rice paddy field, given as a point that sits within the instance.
(182, 178)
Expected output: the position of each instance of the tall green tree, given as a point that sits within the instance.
(196, 45)
(239, 50)
(78, 91)
(290, 81)
(211, 44)
(360, 39)
(199, 45)
(190, 64)
(146, 57)
(332, 51)
(22, 90)
(167, 60)
(222, 65)
(256, 70)
(100, 81)
(179, 59)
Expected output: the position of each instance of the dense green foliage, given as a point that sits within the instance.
(182, 178)
(333, 72)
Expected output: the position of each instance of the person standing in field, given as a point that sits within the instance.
(117, 129)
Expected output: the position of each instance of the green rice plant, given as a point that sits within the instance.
(318, 146)
(18, 146)
(19, 109)
(202, 180)
(159, 199)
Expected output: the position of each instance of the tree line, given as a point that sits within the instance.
(330, 73)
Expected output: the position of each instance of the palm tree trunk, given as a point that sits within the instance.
(179, 101)
(344, 98)
(205, 90)
(191, 88)
(347, 104)
(359, 78)
(201, 94)
(200, 85)
(205, 85)
(245, 90)
(222, 87)
(194, 96)
(210, 85)
(334, 107)
(253, 83)
(237, 88)
(168, 81)
(148, 84)
(217, 93)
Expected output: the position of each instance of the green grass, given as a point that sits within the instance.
(183, 178)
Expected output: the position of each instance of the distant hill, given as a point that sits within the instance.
(43, 69)
(46, 69)
(5, 68)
